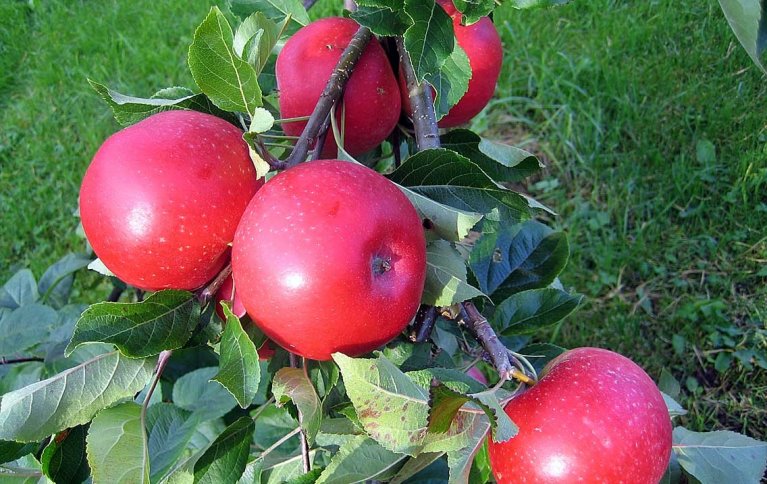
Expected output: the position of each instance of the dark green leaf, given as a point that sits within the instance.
(163, 321)
(25, 327)
(522, 4)
(117, 447)
(474, 10)
(528, 311)
(72, 397)
(276, 10)
(10, 451)
(273, 424)
(324, 376)
(430, 39)
(25, 470)
(426, 468)
(129, 110)
(360, 458)
(447, 222)
(519, 257)
(230, 82)
(292, 384)
(721, 456)
(20, 290)
(197, 393)
(390, 4)
(748, 19)
(451, 82)
(540, 354)
(239, 371)
(382, 21)
(56, 282)
(460, 461)
(446, 276)
(64, 460)
(391, 407)
(668, 384)
(169, 430)
(503, 163)
(226, 458)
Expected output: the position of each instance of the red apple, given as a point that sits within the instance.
(227, 293)
(161, 200)
(482, 45)
(329, 257)
(595, 416)
(371, 99)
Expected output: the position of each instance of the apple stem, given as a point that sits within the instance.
(424, 118)
(162, 361)
(425, 319)
(6, 361)
(350, 5)
(206, 293)
(330, 95)
(320, 144)
(304, 442)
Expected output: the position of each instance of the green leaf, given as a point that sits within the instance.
(72, 397)
(230, 82)
(56, 282)
(163, 321)
(204, 434)
(226, 458)
(459, 461)
(721, 456)
(423, 469)
(360, 458)
(747, 20)
(117, 446)
(668, 384)
(446, 276)
(503, 163)
(129, 110)
(452, 179)
(540, 354)
(390, 4)
(239, 371)
(674, 408)
(25, 327)
(20, 290)
(473, 10)
(10, 451)
(292, 384)
(64, 459)
(430, 40)
(276, 10)
(515, 258)
(390, 406)
(451, 82)
(523, 4)
(448, 223)
(25, 470)
(528, 311)
(169, 430)
(197, 393)
(256, 38)
(382, 21)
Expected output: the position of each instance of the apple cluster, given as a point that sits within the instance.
(330, 256)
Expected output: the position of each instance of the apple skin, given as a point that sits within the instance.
(371, 98)
(594, 416)
(161, 200)
(310, 255)
(482, 45)
(227, 293)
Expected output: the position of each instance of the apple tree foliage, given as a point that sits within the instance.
(157, 389)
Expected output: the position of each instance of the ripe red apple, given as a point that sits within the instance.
(161, 200)
(371, 99)
(227, 293)
(482, 45)
(595, 416)
(329, 257)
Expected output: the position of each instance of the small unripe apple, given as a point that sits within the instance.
(161, 200)
(330, 256)
(594, 416)
(227, 293)
(482, 45)
(371, 99)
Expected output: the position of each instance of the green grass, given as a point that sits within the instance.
(622, 100)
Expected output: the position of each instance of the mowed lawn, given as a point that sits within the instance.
(649, 116)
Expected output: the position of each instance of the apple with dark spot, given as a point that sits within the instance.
(161, 200)
(594, 416)
(482, 45)
(227, 293)
(330, 256)
(371, 99)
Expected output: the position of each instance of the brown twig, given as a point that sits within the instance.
(330, 95)
(424, 323)
(424, 118)
(304, 442)
(206, 293)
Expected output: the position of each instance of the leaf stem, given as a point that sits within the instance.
(424, 118)
(206, 293)
(304, 442)
(282, 440)
(332, 92)
(162, 361)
